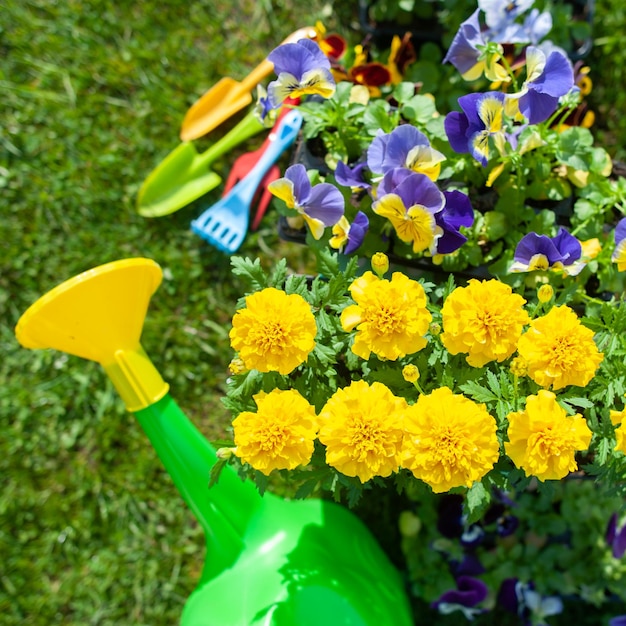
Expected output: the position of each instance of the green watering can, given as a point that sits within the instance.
(269, 561)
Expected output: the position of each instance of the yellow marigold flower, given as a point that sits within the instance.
(410, 373)
(390, 316)
(484, 320)
(617, 417)
(559, 350)
(545, 293)
(543, 438)
(361, 427)
(450, 441)
(274, 332)
(279, 435)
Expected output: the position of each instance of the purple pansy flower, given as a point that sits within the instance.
(500, 13)
(470, 565)
(391, 180)
(463, 52)
(404, 147)
(619, 620)
(472, 536)
(521, 599)
(457, 212)
(548, 77)
(302, 69)
(350, 235)
(540, 252)
(469, 593)
(616, 538)
(469, 55)
(501, 17)
(619, 253)
(320, 205)
(411, 207)
(353, 177)
(480, 121)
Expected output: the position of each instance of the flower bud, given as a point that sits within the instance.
(380, 264)
(409, 524)
(519, 366)
(410, 373)
(435, 329)
(225, 453)
(237, 366)
(545, 293)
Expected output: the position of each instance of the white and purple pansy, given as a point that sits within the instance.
(318, 205)
(470, 592)
(478, 125)
(521, 599)
(540, 252)
(302, 69)
(548, 77)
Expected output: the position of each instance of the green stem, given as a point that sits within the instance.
(510, 72)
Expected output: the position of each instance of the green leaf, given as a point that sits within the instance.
(477, 501)
(478, 392)
(251, 271)
(216, 470)
(420, 109)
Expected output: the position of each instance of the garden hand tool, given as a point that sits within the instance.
(184, 175)
(269, 561)
(245, 162)
(228, 96)
(225, 224)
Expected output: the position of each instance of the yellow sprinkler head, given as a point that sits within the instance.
(99, 315)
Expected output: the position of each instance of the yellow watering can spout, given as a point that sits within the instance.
(99, 315)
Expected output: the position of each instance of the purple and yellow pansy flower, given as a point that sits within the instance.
(471, 55)
(478, 125)
(348, 237)
(619, 253)
(540, 252)
(411, 208)
(318, 205)
(302, 69)
(405, 147)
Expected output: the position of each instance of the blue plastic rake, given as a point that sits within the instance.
(225, 223)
